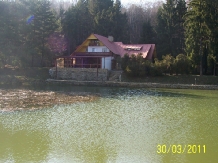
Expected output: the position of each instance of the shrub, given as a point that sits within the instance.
(168, 64)
(125, 61)
(137, 66)
(133, 65)
(182, 64)
(159, 66)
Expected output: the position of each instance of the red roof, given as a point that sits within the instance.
(110, 45)
(121, 49)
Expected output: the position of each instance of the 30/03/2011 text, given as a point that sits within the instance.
(180, 149)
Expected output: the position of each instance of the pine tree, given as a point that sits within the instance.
(196, 32)
(170, 31)
(96, 6)
(77, 24)
(10, 35)
(112, 22)
(212, 23)
(44, 25)
(147, 36)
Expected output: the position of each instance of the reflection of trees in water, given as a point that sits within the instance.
(122, 93)
(23, 145)
(98, 153)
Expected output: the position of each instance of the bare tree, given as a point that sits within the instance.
(138, 14)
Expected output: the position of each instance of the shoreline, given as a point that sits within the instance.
(132, 84)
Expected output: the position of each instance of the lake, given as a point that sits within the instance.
(121, 126)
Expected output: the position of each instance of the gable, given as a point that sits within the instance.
(91, 39)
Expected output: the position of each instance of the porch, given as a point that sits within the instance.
(104, 60)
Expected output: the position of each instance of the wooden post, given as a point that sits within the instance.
(104, 62)
(56, 68)
(97, 68)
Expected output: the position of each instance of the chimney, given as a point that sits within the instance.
(110, 38)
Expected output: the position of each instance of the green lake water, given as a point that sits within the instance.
(122, 126)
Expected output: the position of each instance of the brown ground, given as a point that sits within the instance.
(15, 99)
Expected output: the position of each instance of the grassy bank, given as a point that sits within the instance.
(18, 76)
(173, 79)
(35, 74)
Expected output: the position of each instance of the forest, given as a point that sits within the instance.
(33, 33)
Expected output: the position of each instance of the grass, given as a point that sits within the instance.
(175, 79)
(30, 74)
(23, 75)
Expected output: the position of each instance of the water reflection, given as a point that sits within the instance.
(123, 125)
(23, 146)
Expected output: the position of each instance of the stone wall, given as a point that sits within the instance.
(79, 74)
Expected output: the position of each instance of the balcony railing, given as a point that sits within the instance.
(94, 44)
(70, 64)
(100, 54)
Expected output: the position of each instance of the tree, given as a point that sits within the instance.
(169, 63)
(148, 35)
(211, 21)
(44, 25)
(39, 27)
(182, 64)
(11, 38)
(196, 32)
(77, 24)
(96, 6)
(112, 22)
(137, 15)
(136, 66)
(170, 30)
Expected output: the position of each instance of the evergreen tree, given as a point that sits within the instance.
(112, 22)
(170, 31)
(211, 21)
(96, 6)
(179, 40)
(196, 32)
(147, 36)
(120, 24)
(10, 33)
(77, 24)
(44, 25)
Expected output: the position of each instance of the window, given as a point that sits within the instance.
(94, 43)
(93, 49)
(104, 49)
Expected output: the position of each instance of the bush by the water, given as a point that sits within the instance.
(137, 66)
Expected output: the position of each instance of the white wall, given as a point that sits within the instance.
(97, 48)
(106, 62)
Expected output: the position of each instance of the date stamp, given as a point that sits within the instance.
(181, 149)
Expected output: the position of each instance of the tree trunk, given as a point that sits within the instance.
(32, 60)
(42, 56)
(201, 72)
(200, 54)
(43, 46)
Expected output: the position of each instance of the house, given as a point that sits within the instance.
(101, 52)
(95, 57)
